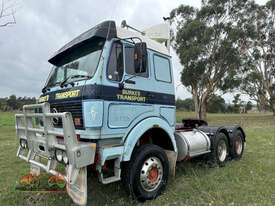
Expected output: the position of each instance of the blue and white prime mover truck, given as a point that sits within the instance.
(109, 102)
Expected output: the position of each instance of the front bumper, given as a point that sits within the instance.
(43, 142)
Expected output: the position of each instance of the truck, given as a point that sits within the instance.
(109, 105)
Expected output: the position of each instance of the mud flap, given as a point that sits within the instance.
(172, 158)
(35, 170)
(77, 190)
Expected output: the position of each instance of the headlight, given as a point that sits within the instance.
(58, 155)
(65, 157)
(61, 156)
(23, 143)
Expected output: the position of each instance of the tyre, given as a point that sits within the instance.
(220, 150)
(238, 145)
(145, 176)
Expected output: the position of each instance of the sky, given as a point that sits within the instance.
(42, 27)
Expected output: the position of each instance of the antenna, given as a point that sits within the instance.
(125, 25)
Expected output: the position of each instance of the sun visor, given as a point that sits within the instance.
(105, 30)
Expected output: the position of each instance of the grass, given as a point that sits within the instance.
(249, 181)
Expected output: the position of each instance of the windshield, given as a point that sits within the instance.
(82, 61)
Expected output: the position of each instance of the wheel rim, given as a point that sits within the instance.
(151, 174)
(222, 150)
(239, 145)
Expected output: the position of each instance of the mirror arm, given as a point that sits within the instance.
(128, 81)
(130, 77)
(132, 38)
(121, 84)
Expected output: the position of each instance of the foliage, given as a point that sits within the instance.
(248, 106)
(185, 105)
(236, 103)
(206, 42)
(14, 103)
(216, 105)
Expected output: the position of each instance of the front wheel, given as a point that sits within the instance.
(145, 176)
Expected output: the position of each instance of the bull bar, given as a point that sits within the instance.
(42, 142)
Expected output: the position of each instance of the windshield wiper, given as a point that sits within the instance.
(73, 77)
(47, 87)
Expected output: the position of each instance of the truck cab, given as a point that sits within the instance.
(97, 78)
(111, 79)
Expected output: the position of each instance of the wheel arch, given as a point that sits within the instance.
(155, 127)
(213, 131)
(241, 130)
(232, 133)
(224, 131)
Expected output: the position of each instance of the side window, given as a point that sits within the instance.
(115, 66)
(162, 69)
(129, 62)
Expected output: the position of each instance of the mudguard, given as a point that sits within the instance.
(229, 131)
(212, 132)
(140, 129)
(232, 132)
(233, 129)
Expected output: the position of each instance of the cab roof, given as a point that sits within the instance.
(105, 30)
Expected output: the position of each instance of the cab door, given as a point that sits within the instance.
(129, 91)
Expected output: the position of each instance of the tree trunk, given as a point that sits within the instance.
(200, 105)
(273, 107)
(203, 114)
(196, 103)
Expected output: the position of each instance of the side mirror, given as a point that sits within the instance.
(140, 57)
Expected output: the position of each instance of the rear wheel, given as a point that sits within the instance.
(238, 145)
(145, 176)
(220, 150)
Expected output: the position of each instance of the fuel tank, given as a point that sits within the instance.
(191, 143)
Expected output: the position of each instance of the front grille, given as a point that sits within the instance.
(74, 107)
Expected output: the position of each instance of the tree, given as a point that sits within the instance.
(248, 106)
(229, 109)
(7, 13)
(206, 42)
(186, 104)
(216, 105)
(236, 103)
(12, 102)
(258, 47)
